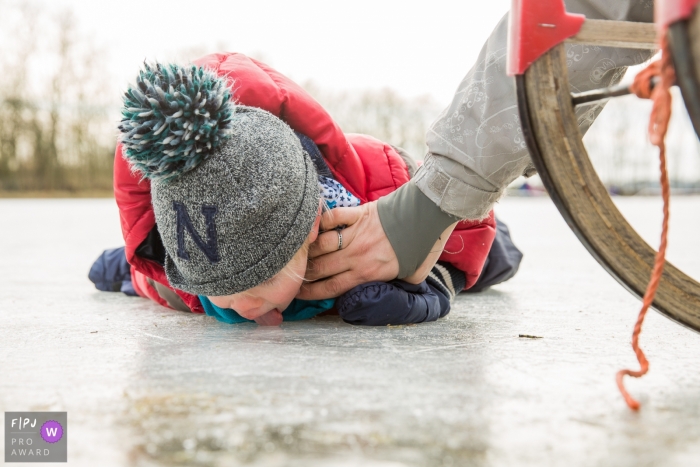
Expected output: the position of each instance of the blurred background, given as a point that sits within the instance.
(385, 68)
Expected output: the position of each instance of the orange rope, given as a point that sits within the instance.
(658, 126)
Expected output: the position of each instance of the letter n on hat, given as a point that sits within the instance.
(211, 247)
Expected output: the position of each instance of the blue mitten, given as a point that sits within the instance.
(395, 302)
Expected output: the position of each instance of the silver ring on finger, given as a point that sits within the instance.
(340, 239)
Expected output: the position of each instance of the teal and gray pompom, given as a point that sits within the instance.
(173, 119)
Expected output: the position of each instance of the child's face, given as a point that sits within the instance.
(266, 302)
(273, 295)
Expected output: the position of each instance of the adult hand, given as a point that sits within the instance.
(366, 254)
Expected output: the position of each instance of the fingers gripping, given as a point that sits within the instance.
(327, 242)
(366, 254)
(329, 288)
(326, 265)
(339, 217)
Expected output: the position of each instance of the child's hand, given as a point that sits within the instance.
(395, 302)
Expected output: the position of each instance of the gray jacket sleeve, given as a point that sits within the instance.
(476, 147)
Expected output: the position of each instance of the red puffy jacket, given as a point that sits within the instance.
(367, 167)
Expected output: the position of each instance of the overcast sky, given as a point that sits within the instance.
(414, 47)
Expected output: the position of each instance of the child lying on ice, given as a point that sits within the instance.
(221, 174)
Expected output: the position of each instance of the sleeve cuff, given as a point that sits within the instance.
(454, 196)
(412, 223)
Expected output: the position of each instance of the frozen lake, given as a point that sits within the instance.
(147, 386)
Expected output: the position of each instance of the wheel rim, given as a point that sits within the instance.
(547, 115)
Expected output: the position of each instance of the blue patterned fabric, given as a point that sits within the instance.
(336, 195)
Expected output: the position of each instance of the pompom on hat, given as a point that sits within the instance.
(173, 119)
(234, 194)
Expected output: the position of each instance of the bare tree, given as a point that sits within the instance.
(55, 133)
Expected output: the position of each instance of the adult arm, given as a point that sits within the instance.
(476, 150)
(476, 147)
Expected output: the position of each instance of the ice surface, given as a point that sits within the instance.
(147, 386)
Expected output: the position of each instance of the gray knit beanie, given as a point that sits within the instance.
(235, 195)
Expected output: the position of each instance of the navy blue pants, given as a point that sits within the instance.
(111, 272)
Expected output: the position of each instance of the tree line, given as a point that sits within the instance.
(58, 113)
(55, 128)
